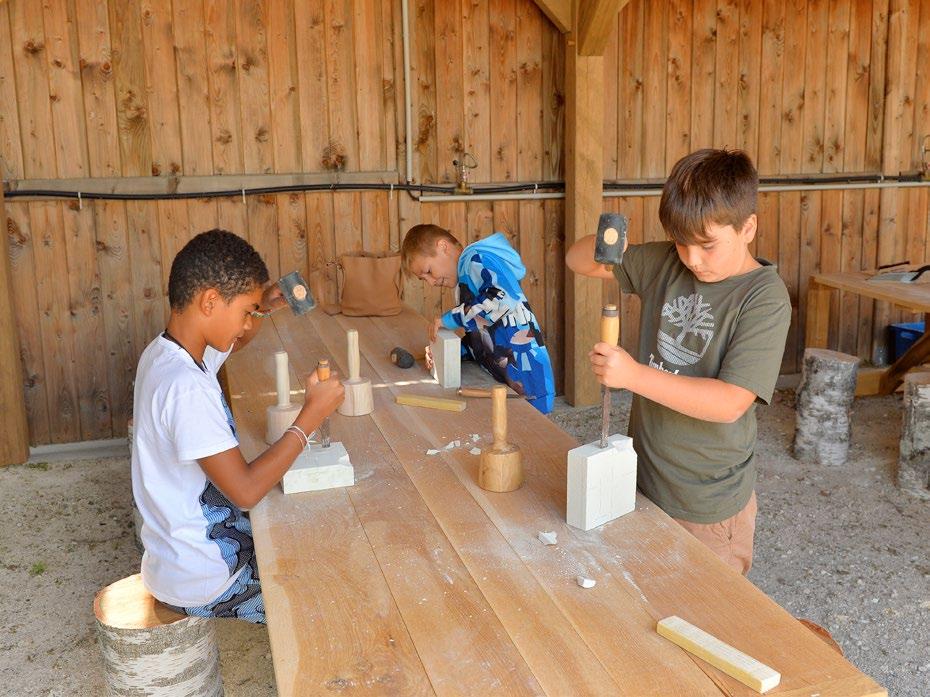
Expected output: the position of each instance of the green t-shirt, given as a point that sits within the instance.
(733, 330)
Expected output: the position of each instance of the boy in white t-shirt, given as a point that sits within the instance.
(189, 478)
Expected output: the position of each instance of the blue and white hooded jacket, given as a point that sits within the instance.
(501, 332)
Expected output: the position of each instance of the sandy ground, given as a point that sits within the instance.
(841, 547)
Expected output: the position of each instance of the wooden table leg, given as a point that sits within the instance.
(818, 315)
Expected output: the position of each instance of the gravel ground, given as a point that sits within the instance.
(841, 547)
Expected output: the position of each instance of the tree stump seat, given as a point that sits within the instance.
(149, 649)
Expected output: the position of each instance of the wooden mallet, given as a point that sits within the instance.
(281, 415)
(358, 400)
(501, 467)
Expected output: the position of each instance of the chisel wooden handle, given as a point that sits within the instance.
(322, 369)
(482, 392)
(610, 325)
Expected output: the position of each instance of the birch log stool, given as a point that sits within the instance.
(824, 402)
(149, 649)
(914, 458)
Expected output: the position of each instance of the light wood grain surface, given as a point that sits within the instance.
(416, 581)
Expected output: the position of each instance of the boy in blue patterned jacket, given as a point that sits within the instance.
(501, 332)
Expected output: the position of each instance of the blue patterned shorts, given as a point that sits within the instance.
(241, 601)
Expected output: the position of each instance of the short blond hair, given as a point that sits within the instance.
(420, 240)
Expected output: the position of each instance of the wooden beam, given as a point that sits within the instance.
(559, 13)
(597, 19)
(584, 157)
(14, 446)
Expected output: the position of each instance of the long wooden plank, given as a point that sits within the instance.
(109, 227)
(476, 43)
(666, 578)
(162, 88)
(311, 77)
(84, 321)
(326, 588)
(454, 630)
(750, 66)
(188, 25)
(703, 64)
(368, 33)
(629, 650)
(450, 116)
(655, 75)
(222, 60)
(11, 152)
(14, 447)
(726, 74)
(503, 31)
(340, 75)
(678, 102)
(551, 647)
(791, 157)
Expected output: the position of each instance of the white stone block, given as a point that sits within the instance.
(318, 468)
(447, 358)
(601, 482)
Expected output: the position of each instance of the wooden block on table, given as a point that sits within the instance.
(318, 468)
(419, 400)
(447, 358)
(601, 482)
(731, 661)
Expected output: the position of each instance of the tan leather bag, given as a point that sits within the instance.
(371, 284)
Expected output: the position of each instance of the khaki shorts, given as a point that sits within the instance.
(730, 539)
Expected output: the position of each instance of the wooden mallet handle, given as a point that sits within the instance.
(352, 351)
(499, 416)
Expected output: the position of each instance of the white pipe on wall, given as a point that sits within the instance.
(765, 188)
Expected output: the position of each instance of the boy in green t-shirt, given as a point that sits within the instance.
(712, 334)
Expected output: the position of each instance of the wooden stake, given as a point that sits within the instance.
(501, 466)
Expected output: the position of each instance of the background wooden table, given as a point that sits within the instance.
(910, 296)
(416, 581)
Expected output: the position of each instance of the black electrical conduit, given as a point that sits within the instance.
(421, 188)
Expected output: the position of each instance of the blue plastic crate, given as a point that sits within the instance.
(902, 335)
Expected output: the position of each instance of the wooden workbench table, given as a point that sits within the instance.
(415, 581)
(909, 296)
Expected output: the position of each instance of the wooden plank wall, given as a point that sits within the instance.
(144, 88)
(808, 86)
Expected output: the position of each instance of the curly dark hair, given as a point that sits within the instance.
(215, 259)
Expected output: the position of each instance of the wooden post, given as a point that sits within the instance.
(14, 446)
(148, 649)
(824, 402)
(914, 459)
(584, 171)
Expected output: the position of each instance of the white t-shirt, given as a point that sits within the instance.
(195, 540)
